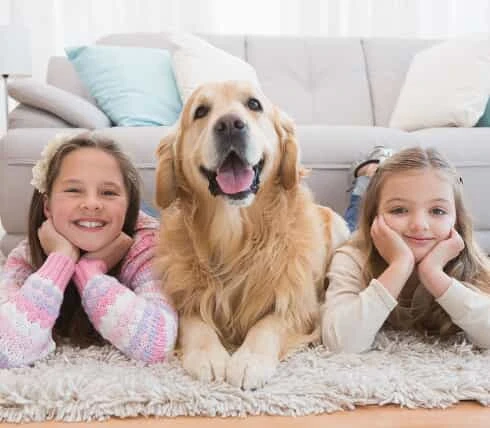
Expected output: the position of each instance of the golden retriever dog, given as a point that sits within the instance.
(243, 248)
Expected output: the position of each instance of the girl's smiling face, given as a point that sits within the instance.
(420, 207)
(88, 200)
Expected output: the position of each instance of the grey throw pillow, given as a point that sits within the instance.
(69, 107)
(24, 116)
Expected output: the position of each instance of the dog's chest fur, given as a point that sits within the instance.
(238, 269)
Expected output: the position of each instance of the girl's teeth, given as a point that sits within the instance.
(90, 224)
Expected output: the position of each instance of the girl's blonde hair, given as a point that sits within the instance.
(471, 265)
(73, 321)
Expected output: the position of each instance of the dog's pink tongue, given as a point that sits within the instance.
(234, 177)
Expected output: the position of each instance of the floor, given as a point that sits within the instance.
(467, 415)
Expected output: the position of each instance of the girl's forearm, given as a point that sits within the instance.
(28, 313)
(142, 324)
(395, 277)
(436, 281)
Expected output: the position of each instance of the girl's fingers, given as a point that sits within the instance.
(456, 237)
(374, 227)
(383, 224)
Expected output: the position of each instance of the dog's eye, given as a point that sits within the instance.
(254, 104)
(201, 111)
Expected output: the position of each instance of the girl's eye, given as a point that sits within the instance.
(398, 210)
(72, 190)
(438, 211)
(109, 193)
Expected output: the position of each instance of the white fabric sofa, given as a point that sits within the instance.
(340, 91)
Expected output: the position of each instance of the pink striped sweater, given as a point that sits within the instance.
(130, 311)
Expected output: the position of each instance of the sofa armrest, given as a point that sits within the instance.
(24, 116)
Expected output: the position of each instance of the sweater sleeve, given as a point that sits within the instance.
(469, 309)
(133, 313)
(352, 315)
(30, 302)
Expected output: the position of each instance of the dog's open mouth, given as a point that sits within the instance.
(234, 177)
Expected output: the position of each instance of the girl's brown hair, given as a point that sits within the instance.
(73, 321)
(471, 265)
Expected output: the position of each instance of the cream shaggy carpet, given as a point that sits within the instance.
(96, 383)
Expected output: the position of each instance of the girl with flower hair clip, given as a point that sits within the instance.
(85, 270)
(413, 263)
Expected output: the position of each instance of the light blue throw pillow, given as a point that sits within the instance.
(133, 86)
(484, 120)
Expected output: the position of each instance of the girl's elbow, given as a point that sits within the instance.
(31, 352)
(159, 350)
(342, 341)
(344, 346)
(482, 343)
(11, 362)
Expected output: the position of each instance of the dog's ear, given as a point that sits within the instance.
(166, 183)
(289, 170)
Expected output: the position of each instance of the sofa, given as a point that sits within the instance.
(340, 92)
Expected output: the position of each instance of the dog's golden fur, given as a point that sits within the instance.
(240, 276)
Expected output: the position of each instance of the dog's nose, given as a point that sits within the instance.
(230, 124)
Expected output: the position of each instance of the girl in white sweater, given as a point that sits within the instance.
(413, 263)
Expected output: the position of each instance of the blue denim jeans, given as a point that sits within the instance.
(352, 212)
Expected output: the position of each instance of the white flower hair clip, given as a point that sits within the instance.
(40, 169)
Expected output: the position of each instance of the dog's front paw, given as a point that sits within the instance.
(207, 364)
(250, 370)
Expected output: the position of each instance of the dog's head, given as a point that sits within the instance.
(229, 141)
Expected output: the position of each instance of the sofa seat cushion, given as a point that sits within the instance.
(463, 146)
(339, 146)
(329, 151)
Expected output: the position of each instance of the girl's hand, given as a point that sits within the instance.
(112, 253)
(396, 253)
(53, 242)
(431, 268)
(443, 252)
(390, 245)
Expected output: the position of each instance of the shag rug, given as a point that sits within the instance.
(99, 382)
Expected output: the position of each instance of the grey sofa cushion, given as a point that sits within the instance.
(387, 62)
(69, 107)
(233, 44)
(315, 80)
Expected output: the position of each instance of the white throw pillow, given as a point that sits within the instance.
(195, 62)
(446, 85)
